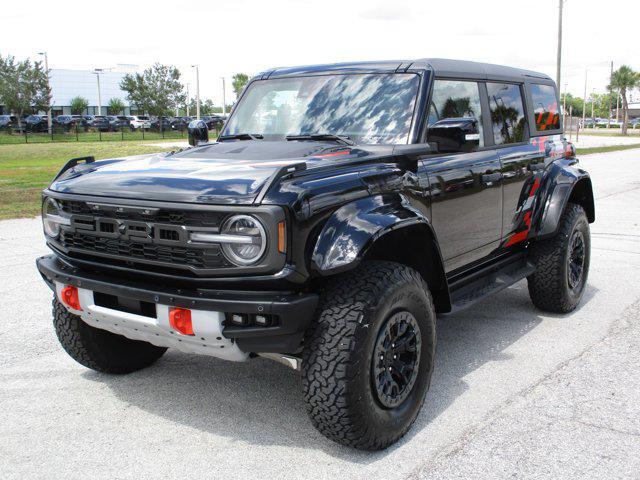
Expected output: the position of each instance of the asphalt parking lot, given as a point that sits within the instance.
(516, 393)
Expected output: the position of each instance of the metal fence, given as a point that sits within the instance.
(88, 134)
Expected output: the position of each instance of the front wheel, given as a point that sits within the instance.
(368, 358)
(562, 264)
(99, 349)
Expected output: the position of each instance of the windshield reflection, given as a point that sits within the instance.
(368, 108)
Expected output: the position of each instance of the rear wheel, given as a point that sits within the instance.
(368, 358)
(99, 349)
(562, 264)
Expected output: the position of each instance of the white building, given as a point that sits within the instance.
(67, 84)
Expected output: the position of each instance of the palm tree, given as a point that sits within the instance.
(624, 79)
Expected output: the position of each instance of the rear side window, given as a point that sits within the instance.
(507, 113)
(545, 107)
(455, 99)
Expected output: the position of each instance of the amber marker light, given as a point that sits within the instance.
(282, 237)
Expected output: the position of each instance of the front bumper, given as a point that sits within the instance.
(294, 310)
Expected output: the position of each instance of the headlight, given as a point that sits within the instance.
(245, 240)
(52, 218)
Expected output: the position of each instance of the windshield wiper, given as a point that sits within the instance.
(320, 137)
(241, 136)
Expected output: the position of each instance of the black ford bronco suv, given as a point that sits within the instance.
(340, 210)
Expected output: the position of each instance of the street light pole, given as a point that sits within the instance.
(610, 93)
(559, 59)
(187, 99)
(593, 101)
(584, 105)
(46, 67)
(224, 96)
(197, 91)
(96, 72)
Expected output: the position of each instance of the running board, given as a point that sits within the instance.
(466, 292)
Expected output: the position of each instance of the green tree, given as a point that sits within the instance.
(24, 86)
(623, 80)
(79, 105)
(157, 91)
(116, 106)
(238, 82)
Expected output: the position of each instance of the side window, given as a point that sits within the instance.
(455, 99)
(507, 113)
(545, 107)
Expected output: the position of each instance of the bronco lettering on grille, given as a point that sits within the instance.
(130, 230)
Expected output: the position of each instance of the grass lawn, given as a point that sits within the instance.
(90, 137)
(610, 148)
(26, 169)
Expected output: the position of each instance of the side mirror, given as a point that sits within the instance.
(455, 134)
(198, 133)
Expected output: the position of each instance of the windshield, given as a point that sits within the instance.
(368, 108)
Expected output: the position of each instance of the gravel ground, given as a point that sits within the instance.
(516, 393)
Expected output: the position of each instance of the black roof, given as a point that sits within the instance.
(441, 66)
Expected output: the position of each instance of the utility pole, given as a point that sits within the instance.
(97, 72)
(610, 93)
(584, 106)
(46, 67)
(188, 99)
(224, 97)
(197, 91)
(559, 60)
(593, 101)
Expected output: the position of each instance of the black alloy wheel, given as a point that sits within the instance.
(396, 359)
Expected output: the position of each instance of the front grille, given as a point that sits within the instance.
(154, 236)
(192, 218)
(129, 250)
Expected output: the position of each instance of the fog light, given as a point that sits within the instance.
(262, 320)
(180, 320)
(70, 298)
(240, 319)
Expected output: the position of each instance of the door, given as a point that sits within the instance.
(520, 160)
(465, 188)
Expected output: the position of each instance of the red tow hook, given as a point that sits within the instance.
(70, 297)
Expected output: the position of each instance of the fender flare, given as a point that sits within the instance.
(565, 182)
(355, 228)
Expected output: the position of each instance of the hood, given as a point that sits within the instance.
(216, 173)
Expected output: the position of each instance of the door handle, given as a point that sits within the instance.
(490, 178)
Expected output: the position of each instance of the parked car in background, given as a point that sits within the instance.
(36, 124)
(118, 122)
(7, 122)
(139, 121)
(214, 122)
(100, 123)
(604, 123)
(589, 123)
(181, 123)
(162, 124)
(65, 122)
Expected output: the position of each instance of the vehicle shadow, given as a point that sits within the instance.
(260, 402)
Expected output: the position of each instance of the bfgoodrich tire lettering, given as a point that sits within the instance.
(553, 287)
(98, 349)
(339, 392)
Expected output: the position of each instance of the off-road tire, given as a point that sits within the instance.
(98, 349)
(338, 351)
(549, 286)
